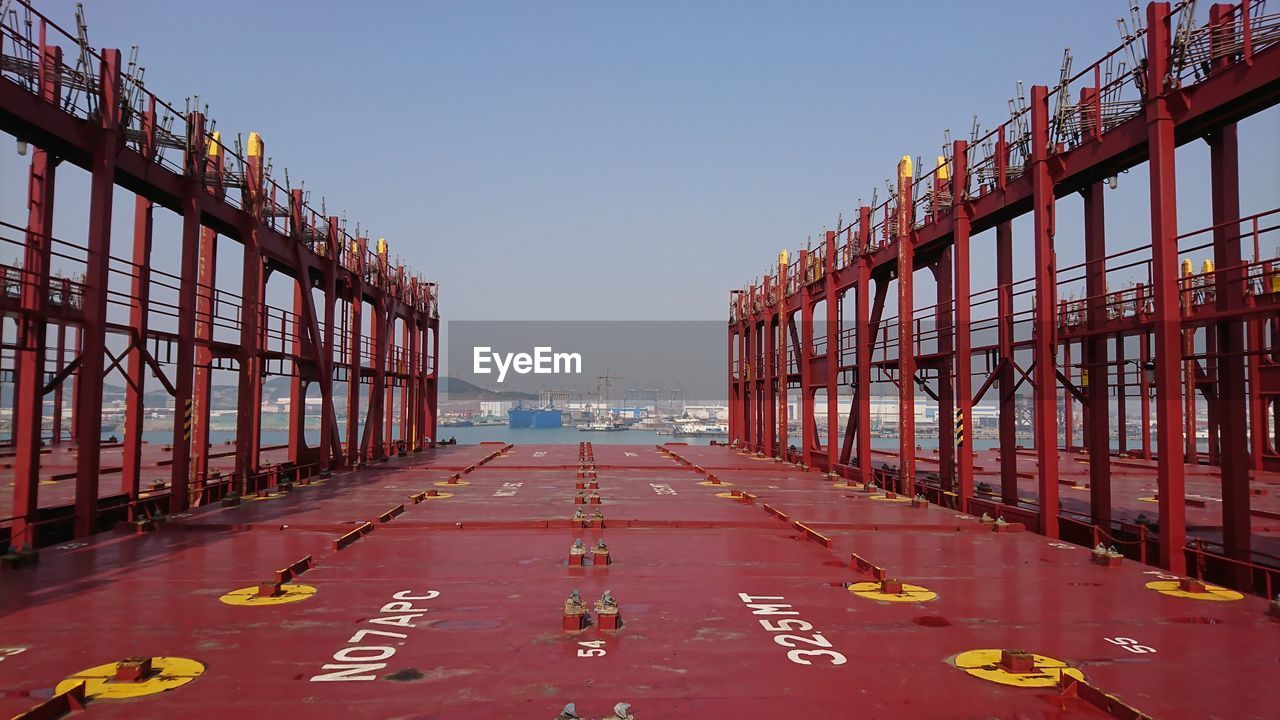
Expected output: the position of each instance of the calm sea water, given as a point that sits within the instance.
(559, 436)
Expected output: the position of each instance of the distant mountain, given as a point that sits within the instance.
(451, 388)
(225, 396)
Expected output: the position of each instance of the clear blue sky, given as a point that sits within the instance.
(588, 160)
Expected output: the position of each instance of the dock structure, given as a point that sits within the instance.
(1142, 334)
(361, 332)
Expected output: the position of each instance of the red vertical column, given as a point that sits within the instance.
(329, 438)
(297, 398)
(1044, 331)
(94, 353)
(184, 382)
(1164, 270)
(433, 389)
(408, 370)
(808, 426)
(744, 371)
(769, 372)
(249, 391)
(961, 214)
(1229, 291)
(1068, 414)
(833, 353)
(944, 322)
(60, 357)
(355, 454)
(1145, 371)
(202, 389)
(206, 274)
(1122, 403)
(906, 326)
(865, 340)
(295, 336)
(140, 291)
(781, 339)
(32, 328)
(732, 368)
(1097, 369)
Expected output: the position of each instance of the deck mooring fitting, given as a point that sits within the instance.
(231, 500)
(1106, 557)
(1000, 525)
(1017, 661)
(577, 552)
(133, 670)
(433, 493)
(870, 487)
(607, 612)
(269, 588)
(890, 586)
(575, 613)
(1191, 585)
(919, 501)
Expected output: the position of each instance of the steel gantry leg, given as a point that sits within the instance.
(1097, 370)
(833, 353)
(905, 214)
(32, 337)
(136, 370)
(202, 392)
(249, 391)
(93, 356)
(184, 381)
(808, 426)
(1164, 270)
(1044, 333)
(963, 334)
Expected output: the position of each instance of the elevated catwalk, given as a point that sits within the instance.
(745, 588)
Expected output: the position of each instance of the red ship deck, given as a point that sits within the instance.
(475, 581)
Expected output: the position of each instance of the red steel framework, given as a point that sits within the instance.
(1211, 333)
(127, 316)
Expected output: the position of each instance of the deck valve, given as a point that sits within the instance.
(577, 552)
(607, 612)
(575, 613)
(1107, 556)
(919, 501)
(600, 554)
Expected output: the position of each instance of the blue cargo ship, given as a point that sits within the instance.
(523, 417)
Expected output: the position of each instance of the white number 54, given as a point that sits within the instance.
(1131, 645)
